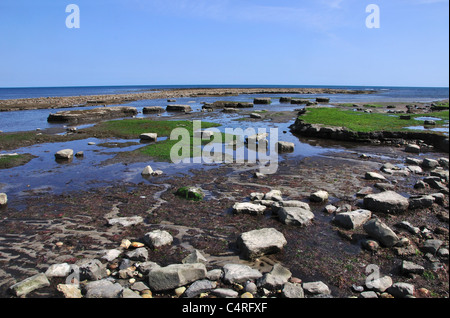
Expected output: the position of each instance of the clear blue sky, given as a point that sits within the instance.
(171, 42)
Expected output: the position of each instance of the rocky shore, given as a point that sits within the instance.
(425, 140)
(366, 221)
(250, 238)
(77, 101)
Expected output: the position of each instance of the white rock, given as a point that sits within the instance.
(147, 171)
(239, 273)
(111, 255)
(64, 154)
(379, 284)
(319, 196)
(274, 195)
(158, 238)
(374, 176)
(3, 199)
(69, 290)
(126, 221)
(58, 270)
(249, 208)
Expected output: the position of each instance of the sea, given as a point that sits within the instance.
(381, 93)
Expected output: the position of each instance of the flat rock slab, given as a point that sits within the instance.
(256, 243)
(77, 116)
(126, 221)
(175, 275)
(374, 176)
(178, 108)
(30, 284)
(152, 109)
(249, 208)
(353, 219)
(386, 202)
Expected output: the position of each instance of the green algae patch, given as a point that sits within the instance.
(190, 193)
(15, 160)
(366, 122)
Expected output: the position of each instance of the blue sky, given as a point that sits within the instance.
(188, 42)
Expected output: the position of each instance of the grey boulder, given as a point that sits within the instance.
(386, 202)
(256, 243)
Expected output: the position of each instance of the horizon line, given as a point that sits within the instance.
(218, 85)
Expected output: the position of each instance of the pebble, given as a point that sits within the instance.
(180, 291)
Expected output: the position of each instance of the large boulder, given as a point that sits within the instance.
(295, 216)
(175, 275)
(386, 202)
(381, 232)
(261, 242)
(353, 219)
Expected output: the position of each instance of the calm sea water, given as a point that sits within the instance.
(412, 94)
(44, 175)
(27, 120)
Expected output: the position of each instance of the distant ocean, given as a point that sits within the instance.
(419, 94)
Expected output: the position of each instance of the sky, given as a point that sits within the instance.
(224, 42)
